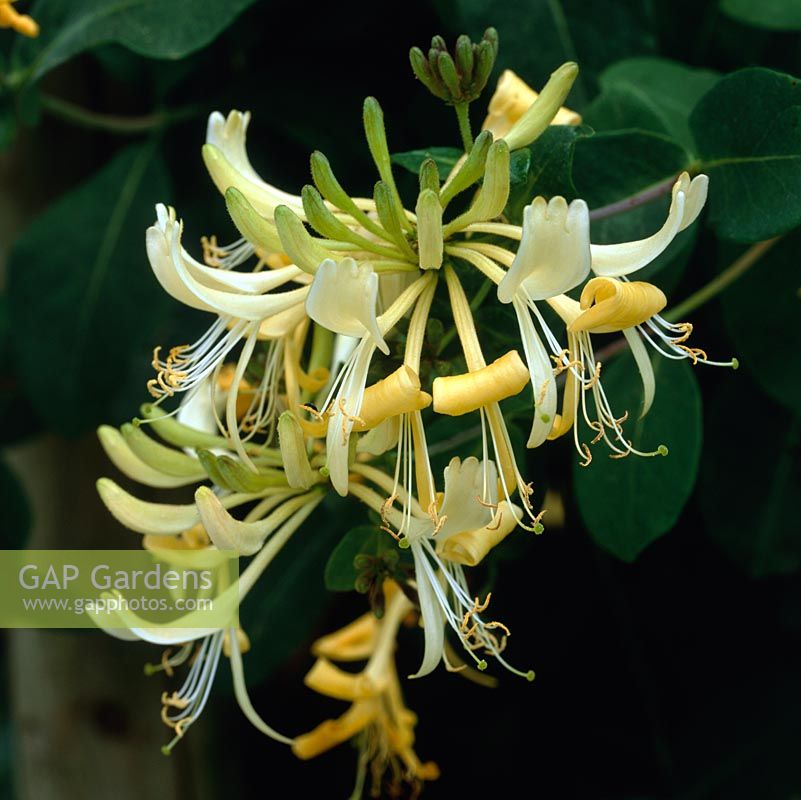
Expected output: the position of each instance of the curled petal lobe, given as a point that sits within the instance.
(471, 489)
(616, 260)
(343, 299)
(554, 252)
(609, 305)
(226, 159)
(470, 547)
(459, 394)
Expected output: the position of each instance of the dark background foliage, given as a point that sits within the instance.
(663, 626)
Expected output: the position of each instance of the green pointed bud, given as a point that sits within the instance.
(447, 71)
(491, 37)
(319, 216)
(470, 171)
(161, 519)
(377, 142)
(127, 462)
(176, 433)
(363, 584)
(322, 219)
(438, 43)
(363, 562)
(485, 61)
(259, 231)
(331, 189)
(464, 60)
(241, 478)
(429, 175)
(299, 474)
(491, 198)
(156, 455)
(429, 229)
(209, 462)
(388, 216)
(542, 111)
(298, 243)
(423, 72)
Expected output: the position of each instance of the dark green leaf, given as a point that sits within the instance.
(340, 574)
(16, 525)
(519, 164)
(748, 132)
(668, 89)
(750, 499)
(613, 167)
(153, 28)
(83, 301)
(621, 108)
(610, 167)
(628, 503)
(444, 157)
(779, 15)
(762, 310)
(549, 171)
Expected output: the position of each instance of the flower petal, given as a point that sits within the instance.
(615, 260)
(225, 155)
(471, 488)
(609, 305)
(431, 612)
(543, 383)
(554, 252)
(343, 298)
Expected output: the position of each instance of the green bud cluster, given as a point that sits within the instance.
(461, 77)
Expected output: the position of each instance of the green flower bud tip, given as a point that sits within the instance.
(530, 675)
(362, 561)
(662, 450)
(482, 665)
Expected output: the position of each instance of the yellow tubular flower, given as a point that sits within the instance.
(610, 305)
(398, 393)
(512, 98)
(459, 394)
(377, 713)
(21, 23)
(470, 547)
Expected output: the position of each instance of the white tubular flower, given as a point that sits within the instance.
(616, 260)
(343, 299)
(469, 523)
(238, 295)
(543, 383)
(226, 158)
(554, 252)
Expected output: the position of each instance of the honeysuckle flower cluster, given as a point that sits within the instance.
(313, 377)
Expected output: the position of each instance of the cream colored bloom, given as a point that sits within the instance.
(512, 98)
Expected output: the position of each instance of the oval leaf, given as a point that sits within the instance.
(82, 298)
(628, 503)
(748, 132)
(154, 28)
